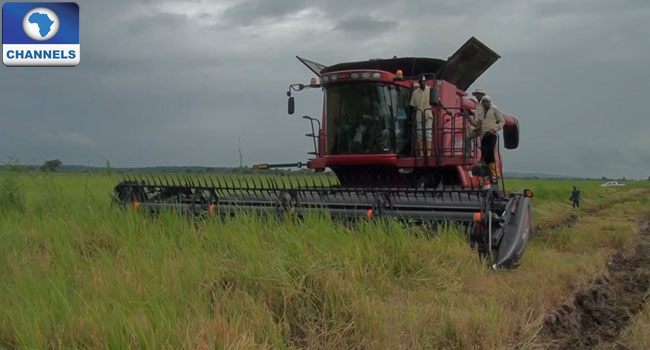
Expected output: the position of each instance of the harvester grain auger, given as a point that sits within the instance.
(368, 140)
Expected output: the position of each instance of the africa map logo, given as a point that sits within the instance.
(41, 24)
(40, 34)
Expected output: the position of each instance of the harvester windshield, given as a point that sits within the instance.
(367, 118)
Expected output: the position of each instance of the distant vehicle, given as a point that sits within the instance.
(612, 184)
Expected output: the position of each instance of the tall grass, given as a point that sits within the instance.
(76, 272)
(11, 194)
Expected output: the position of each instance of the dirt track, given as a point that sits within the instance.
(596, 315)
(572, 219)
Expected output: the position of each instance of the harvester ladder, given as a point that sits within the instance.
(315, 137)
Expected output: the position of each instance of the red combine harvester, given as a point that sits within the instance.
(368, 139)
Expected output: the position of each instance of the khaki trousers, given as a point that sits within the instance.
(474, 133)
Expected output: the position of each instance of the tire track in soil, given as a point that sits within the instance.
(566, 221)
(597, 314)
(572, 219)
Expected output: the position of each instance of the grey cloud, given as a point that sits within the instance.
(67, 137)
(251, 11)
(364, 24)
(156, 19)
(582, 7)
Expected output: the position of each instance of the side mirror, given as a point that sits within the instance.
(434, 96)
(511, 135)
(291, 105)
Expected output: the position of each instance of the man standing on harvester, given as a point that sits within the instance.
(421, 107)
(476, 128)
(478, 94)
(491, 122)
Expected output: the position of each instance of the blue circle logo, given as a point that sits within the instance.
(41, 24)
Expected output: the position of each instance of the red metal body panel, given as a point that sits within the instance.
(468, 103)
(431, 162)
(361, 159)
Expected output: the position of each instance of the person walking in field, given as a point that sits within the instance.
(575, 197)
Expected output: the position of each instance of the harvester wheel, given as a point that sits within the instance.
(427, 181)
(287, 204)
(382, 202)
(129, 192)
(488, 259)
(469, 229)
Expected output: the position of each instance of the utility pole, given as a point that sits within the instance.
(241, 158)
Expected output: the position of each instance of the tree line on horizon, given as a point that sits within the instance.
(54, 165)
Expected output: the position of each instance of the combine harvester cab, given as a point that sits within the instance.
(385, 164)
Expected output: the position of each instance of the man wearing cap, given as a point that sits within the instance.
(490, 124)
(476, 129)
(478, 94)
(420, 104)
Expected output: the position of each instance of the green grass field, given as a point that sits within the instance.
(76, 272)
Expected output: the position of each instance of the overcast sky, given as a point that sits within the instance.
(178, 82)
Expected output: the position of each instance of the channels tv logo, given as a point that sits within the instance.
(40, 34)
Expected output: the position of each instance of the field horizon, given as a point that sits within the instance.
(15, 164)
